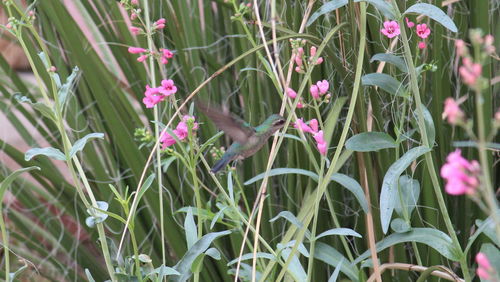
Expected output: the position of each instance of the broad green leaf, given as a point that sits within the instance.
(280, 171)
(487, 227)
(250, 256)
(295, 269)
(398, 225)
(370, 141)
(9, 179)
(145, 258)
(339, 231)
(392, 59)
(97, 216)
(43, 109)
(301, 248)
(493, 255)
(50, 152)
(431, 237)
(434, 13)
(388, 195)
(386, 82)
(353, 186)
(190, 228)
(409, 193)
(331, 256)
(164, 271)
(382, 6)
(197, 264)
(330, 6)
(66, 87)
(80, 144)
(213, 253)
(184, 265)
(205, 214)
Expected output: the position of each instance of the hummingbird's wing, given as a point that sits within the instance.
(233, 126)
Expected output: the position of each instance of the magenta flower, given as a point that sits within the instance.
(423, 31)
(452, 111)
(313, 123)
(300, 105)
(291, 93)
(409, 23)
(323, 86)
(470, 71)
(168, 86)
(136, 50)
(181, 131)
(159, 24)
(461, 175)
(421, 45)
(391, 29)
(153, 96)
(461, 49)
(135, 30)
(134, 2)
(302, 126)
(133, 16)
(142, 58)
(167, 53)
(314, 90)
(321, 144)
(484, 266)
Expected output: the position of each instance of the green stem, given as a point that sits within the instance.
(6, 249)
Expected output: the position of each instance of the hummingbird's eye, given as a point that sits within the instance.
(280, 122)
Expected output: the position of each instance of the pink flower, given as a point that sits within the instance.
(300, 105)
(484, 267)
(314, 90)
(312, 52)
(159, 24)
(452, 111)
(8, 25)
(167, 53)
(409, 23)
(142, 58)
(323, 86)
(313, 123)
(321, 144)
(168, 86)
(489, 48)
(461, 49)
(391, 29)
(133, 16)
(134, 2)
(52, 69)
(298, 59)
(181, 131)
(423, 31)
(319, 61)
(291, 93)
(470, 71)
(164, 60)
(461, 175)
(421, 45)
(135, 30)
(153, 96)
(302, 126)
(136, 50)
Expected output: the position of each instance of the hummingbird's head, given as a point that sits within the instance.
(275, 122)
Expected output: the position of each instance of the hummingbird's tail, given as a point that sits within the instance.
(220, 164)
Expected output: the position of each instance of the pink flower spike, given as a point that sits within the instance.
(421, 45)
(409, 23)
(323, 86)
(461, 175)
(482, 261)
(168, 86)
(313, 123)
(313, 51)
(142, 58)
(302, 126)
(391, 29)
(314, 90)
(423, 31)
(452, 111)
(135, 30)
(136, 50)
(470, 71)
(291, 93)
(167, 53)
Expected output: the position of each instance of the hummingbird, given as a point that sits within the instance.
(248, 140)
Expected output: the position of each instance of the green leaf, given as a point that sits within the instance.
(331, 256)
(15, 274)
(392, 59)
(382, 6)
(301, 248)
(163, 271)
(295, 269)
(145, 186)
(250, 256)
(386, 82)
(97, 216)
(487, 227)
(50, 152)
(339, 231)
(280, 171)
(213, 253)
(66, 87)
(398, 225)
(434, 13)
(197, 264)
(409, 192)
(230, 185)
(335, 274)
(80, 144)
(353, 186)
(184, 265)
(429, 125)
(370, 141)
(190, 228)
(330, 6)
(431, 237)
(388, 195)
(89, 275)
(43, 109)
(9, 179)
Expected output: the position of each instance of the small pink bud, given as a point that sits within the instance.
(461, 49)
(8, 25)
(52, 69)
(482, 273)
(167, 53)
(300, 105)
(161, 21)
(133, 16)
(249, 4)
(482, 261)
(164, 60)
(323, 86)
(497, 115)
(328, 96)
(298, 69)
(313, 123)
(300, 51)
(134, 2)
(291, 93)
(421, 45)
(409, 23)
(452, 111)
(298, 60)
(142, 58)
(135, 30)
(136, 50)
(160, 26)
(31, 13)
(313, 51)
(319, 61)
(314, 91)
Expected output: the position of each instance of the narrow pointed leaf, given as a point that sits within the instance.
(434, 13)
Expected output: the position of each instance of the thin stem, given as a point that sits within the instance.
(6, 249)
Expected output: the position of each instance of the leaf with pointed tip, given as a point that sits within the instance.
(9, 179)
(434, 13)
(43, 109)
(66, 87)
(80, 143)
(392, 59)
(370, 141)
(386, 82)
(50, 152)
(331, 256)
(250, 256)
(190, 228)
(339, 231)
(409, 190)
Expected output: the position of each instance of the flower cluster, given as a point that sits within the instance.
(139, 50)
(319, 89)
(299, 57)
(484, 268)
(292, 94)
(181, 131)
(391, 29)
(461, 175)
(155, 95)
(313, 129)
(452, 111)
